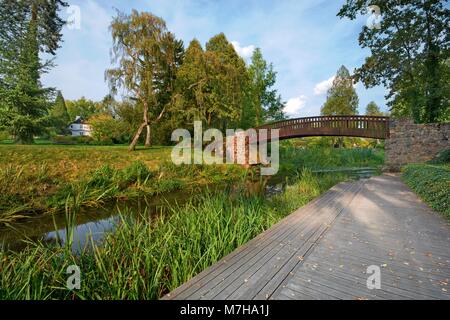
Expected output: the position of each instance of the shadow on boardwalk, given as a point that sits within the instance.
(322, 250)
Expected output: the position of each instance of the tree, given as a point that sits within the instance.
(372, 109)
(60, 116)
(82, 107)
(142, 49)
(227, 83)
(27, 28)
(409, 56)
(263, 103)
(106, 129)
(341, 97)
(191, 99)
(210, 85)
(129, 113)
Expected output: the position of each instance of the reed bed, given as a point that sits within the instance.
(144, 258)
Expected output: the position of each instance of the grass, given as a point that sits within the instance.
(431, 183)
(145, 259)
(294, 159)
(44, 179)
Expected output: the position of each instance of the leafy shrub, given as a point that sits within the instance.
(71, 139)
(4, 135)
(442, 158)
(431, 183)
(105, 129)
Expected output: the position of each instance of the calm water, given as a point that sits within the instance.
(92, 224)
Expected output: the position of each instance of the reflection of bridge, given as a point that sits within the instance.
(348, 126)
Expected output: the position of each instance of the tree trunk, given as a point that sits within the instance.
(141, 127)
(148, 137)
(136, 137)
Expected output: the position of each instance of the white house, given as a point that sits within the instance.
(80, 127)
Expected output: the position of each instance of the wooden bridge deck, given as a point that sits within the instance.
(322, 251)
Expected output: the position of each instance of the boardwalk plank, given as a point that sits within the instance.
(260, 241)
(322, 250)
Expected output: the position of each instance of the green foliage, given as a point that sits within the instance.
(106, 129)
(409, 56)
(146, 57)
(71, 140)
(442, 158)
(372, 109)
(215, 87)
(136, 172)
(431, 183)
(341, 97)
(59, 116)
(27, 27)
(229, 79)
(151, 259)
(4, 135)
(293, 158)
(192, 98)
(82, 107)
(263, 103)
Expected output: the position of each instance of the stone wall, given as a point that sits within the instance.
(410, 143)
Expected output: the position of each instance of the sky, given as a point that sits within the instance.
(304, 39)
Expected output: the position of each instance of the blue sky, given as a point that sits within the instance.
(303, 39)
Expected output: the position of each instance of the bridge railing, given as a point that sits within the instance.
(357, 126)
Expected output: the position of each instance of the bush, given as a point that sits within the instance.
(72, 140)
(442, 158)
(4, 135)
(431, 183)
(105, 129)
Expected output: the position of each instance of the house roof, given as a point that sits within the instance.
(79, 120)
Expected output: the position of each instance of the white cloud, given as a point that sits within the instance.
(294, 105)
(322, 87)
(244, 52)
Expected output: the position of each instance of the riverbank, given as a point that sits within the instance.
(145, 255)
(47, 179)
(36, 180)
(145, 259)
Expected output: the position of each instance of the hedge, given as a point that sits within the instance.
(431, 183)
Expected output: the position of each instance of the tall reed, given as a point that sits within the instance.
(147, 257)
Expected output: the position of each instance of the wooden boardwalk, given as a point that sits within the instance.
(323, 249)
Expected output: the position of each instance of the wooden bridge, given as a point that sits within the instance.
(347, 126)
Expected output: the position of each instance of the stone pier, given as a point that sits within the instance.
(410, 143)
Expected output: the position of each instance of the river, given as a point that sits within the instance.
(92, 224)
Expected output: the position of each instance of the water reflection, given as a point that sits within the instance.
(92, 224)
